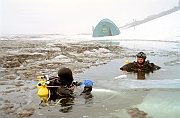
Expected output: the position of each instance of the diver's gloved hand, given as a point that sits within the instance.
(87, 84)
(87, 89)
(77, 83)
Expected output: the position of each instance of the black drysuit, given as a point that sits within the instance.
(145, 67)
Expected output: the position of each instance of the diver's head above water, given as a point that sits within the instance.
(141, 57)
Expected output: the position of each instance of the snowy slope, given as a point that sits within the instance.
(166, 28)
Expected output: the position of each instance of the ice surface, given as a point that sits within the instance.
(162, 104)
(167, 83)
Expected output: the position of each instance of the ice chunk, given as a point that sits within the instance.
(121, 77)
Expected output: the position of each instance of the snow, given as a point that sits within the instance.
(165, 28)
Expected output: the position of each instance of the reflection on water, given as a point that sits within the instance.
(66, 105)
(140, 75)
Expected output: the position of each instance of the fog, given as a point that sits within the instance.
(73, 16)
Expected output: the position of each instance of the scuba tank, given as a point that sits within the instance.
(42, 81)
(43, 91)
(126, 62)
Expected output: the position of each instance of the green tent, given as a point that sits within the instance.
(105, 28)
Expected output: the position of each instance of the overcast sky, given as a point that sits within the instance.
(73, 16)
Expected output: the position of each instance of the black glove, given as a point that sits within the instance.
(87, 89)
(77, 83)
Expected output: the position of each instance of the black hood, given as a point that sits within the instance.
(65, 76)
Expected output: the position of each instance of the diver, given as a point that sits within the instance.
(64, 85)
(140, 67)
(61, 89)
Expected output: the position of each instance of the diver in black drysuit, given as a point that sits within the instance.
(141, 66)
(64, 85)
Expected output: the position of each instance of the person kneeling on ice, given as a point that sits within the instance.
(63, 86)
(141, 66)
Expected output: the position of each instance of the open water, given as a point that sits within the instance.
(158, 94)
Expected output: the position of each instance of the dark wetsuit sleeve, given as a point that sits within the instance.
(150, 66)
(127, 67)
(123, 67)
(155, 67)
